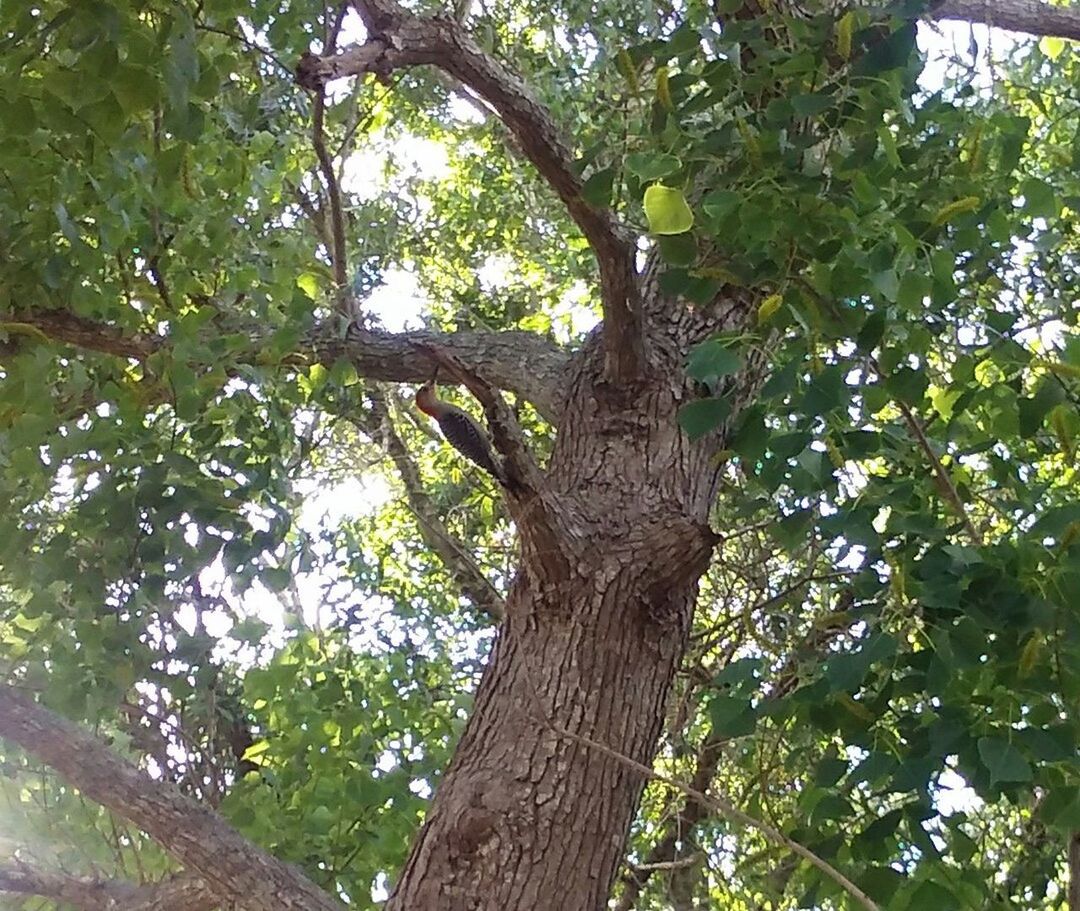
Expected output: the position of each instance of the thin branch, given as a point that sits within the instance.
(236, 36)
(724, 808)
(196, 836)
(1030, 16)
(457, 560)
(398, 38)
(329, 175)
(707, 761)
(945, 480)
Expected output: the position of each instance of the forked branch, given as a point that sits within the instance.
(397, 38)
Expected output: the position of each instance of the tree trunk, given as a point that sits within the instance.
(529, 815)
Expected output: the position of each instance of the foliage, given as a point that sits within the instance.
(892, 615)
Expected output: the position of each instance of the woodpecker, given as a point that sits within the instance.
(462, 431)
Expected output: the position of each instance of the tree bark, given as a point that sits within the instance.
(525, 817)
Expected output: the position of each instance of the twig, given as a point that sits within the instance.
(944, 479)
(943, 476)
(724, 808)
(457, 560)
(247, 42)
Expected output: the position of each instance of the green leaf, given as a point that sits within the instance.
(712, 360)
(652, 165)
(679, 249)
(1003, 761)
(667, 210)
(826, 392)
(907, 385)
(599, 187)
(1039, 198)
(914, 287)
(932, 895)
(808, 105)
(731, 716)
(703, 416)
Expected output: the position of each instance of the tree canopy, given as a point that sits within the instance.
(235, 235)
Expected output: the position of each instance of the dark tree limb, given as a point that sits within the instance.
(521, 362)
(66, 327)
(377, 424)
(506, 434)
(398, 38)
(88, 893)
(540, 518)
(329, 175)
(1030, 16)
(201, 840)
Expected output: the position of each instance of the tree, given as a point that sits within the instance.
(803, 543)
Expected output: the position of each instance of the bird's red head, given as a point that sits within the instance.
(426, 400)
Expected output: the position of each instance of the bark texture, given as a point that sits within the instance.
(525, 817)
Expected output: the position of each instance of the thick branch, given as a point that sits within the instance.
(458, 562)
(505, 432)
(197, 837)
(521, 362)
(87, 893)
(539, 516)
(329, 175)
(1030, 16)
(397, 38)
(66, 327)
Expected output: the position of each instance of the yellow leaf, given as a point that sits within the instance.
(1052, 46)
(663, 89)
(308, 283)
(768, 307)
(629, 72)
(256, 749)
(1029, 654)
(845, 29)
(946, 213)
(667, 210)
